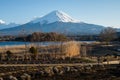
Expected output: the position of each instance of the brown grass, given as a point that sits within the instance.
(71, 49)
(66, 49)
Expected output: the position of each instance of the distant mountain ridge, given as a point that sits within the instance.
(56, 21)
(4, 26)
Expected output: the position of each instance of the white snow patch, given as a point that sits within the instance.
(2, 22)
(54, 17)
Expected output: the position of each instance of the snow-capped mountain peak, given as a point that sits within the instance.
(55, 16)
(60, 23)
(2, 22)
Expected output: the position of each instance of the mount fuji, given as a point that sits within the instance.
(56, 21)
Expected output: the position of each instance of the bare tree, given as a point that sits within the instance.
(108, 34)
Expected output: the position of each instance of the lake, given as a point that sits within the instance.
(15, 43)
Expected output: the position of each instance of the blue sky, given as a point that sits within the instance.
(102, 12)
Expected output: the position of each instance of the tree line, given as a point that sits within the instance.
(108, 34)
(39, 36)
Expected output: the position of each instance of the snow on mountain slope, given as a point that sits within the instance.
(59, 27)
(56, 21)
(54, 17)
(2, 22)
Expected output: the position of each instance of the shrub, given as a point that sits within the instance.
(9, 55)
(71, 49)
(33, 50)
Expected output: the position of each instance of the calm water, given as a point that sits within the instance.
(15, 43)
